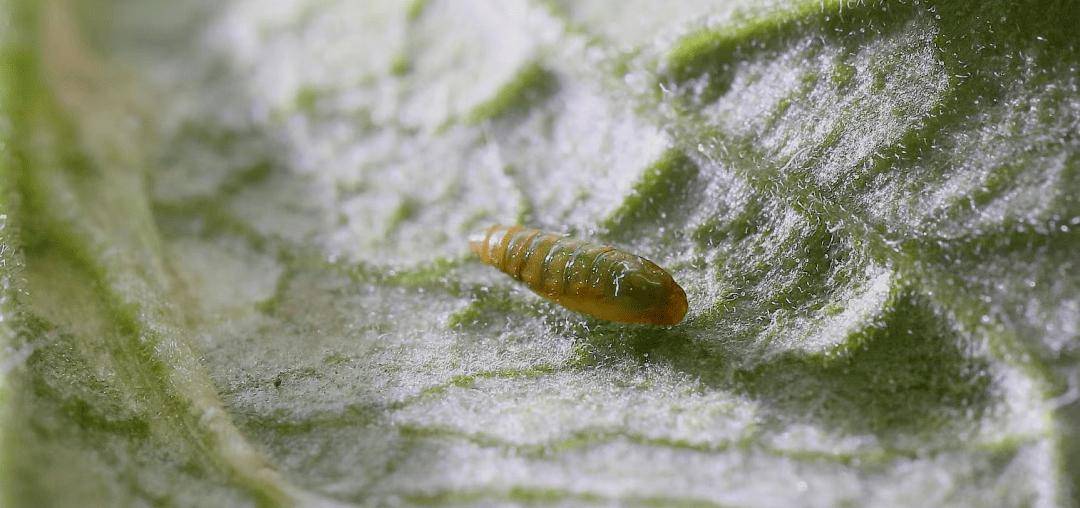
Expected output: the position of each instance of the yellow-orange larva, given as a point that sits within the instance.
(593, 279)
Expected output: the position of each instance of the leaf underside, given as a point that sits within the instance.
(234, 265)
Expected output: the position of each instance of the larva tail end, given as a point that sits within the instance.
(476, 243)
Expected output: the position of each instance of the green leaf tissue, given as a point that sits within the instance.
(235, 266)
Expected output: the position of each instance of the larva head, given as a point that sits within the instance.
(675, 309)
(651, 294)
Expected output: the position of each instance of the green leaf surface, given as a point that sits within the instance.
(234, 267)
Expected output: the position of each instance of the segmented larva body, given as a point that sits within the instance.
(593, 279)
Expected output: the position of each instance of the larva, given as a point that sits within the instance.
(593, 279)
